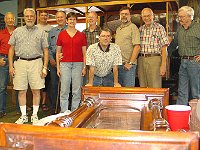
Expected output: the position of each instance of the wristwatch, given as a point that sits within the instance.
(130, 63)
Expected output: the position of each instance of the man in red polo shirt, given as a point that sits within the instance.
(4, 47)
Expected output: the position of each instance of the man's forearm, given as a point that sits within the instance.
(46, 57)
(91, 74)
(135, 52)
(10, 56)
(115, 74)
(84, 56)
(164, 55)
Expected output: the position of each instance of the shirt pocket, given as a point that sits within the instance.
(192, 41)
(36, 41)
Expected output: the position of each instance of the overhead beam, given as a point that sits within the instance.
(105, 4)
(82, 13)
(101, 8)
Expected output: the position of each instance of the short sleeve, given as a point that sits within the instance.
(89, 56)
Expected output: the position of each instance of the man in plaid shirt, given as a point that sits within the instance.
(187, 42)
(152, 56)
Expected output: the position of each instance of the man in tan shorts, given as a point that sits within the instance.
(29, 45)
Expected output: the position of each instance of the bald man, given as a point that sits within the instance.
(4, 47)
(152, 56)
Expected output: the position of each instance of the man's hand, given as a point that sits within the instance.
(197, 58)
(2, 62)
(44, 72)
(83, 72)
(52, 62)
(12, 71)
(117, 85)
(127, 66)
(162, 70)
(89, 84)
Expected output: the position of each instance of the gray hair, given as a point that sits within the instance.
(9, 13)
(189, 11)
(29, 9)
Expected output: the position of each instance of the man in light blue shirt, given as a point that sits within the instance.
(52, 39)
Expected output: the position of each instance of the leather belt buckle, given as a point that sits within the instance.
(148, 55)
(4, 55)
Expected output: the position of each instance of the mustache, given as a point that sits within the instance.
(123, 18)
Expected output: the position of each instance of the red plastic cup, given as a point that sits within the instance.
(178, 117)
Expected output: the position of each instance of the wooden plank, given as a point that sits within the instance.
(94, 139)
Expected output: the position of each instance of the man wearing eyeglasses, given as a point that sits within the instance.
(152, 57)
(92, 35)
(187, 41)
(128, 39)
(30, 45)
(103, 59)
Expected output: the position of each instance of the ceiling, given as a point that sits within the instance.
(113, 7)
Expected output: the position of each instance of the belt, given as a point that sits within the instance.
(187, 57)
(148, 55)
(28, 59)
(4, 55)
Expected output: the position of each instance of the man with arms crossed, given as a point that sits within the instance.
(29, 44)
(92, 35)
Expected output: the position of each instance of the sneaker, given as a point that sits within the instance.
(22, 120)
(2, 114)
(34, 119)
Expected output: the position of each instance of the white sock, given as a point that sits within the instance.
(35, 109)
(23, 110)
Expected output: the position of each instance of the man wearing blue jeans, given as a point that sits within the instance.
(52, 39)
(187, 39)
(4, 47)
(128, 39)
(103, 59)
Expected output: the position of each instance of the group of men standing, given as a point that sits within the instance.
(108, 64)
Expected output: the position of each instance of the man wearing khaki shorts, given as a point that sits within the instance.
(29, 44)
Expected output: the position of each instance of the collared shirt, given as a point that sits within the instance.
(72, 46)
(152, 38)
(103, 61)
(4, 38)
(28, 43)
(46, 28)
(52, 39)
(92, 37)
(187, 40)
(127, 37)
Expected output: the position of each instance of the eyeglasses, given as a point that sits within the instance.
(180, 17)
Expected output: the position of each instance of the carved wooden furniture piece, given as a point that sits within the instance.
(195, 120)
(119, 108)
(101, 108)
